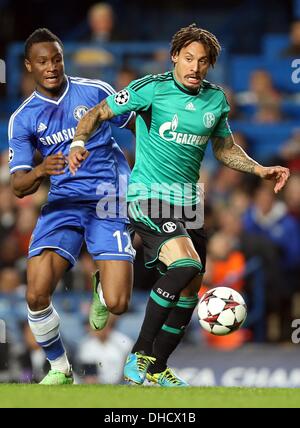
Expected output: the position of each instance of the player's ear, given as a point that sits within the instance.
(175, 58)
(28, 65)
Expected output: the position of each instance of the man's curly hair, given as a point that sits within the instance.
(192, 33)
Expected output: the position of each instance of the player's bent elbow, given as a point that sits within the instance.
(18, 193)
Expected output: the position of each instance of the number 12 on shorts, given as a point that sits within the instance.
(124, 246)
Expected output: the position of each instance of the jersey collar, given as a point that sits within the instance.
(184, 89)
(49, 100)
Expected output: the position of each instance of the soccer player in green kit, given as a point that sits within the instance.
(177, 113)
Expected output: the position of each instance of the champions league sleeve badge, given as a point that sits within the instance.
(11, 154)
(122, 97)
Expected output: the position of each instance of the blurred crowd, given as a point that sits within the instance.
(253, 234)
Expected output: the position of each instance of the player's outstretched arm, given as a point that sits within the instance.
(27, 182)
(85, 128)
(233, 156)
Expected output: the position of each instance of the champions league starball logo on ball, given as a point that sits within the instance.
(222, 311)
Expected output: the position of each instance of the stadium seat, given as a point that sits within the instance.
(243, 65)
(265, 139)
(273, 44)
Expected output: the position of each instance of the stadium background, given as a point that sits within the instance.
(254, 243)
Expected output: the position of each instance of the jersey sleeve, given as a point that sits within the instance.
(121, 120)
(21, 149)
(222, 129)
(137, 96)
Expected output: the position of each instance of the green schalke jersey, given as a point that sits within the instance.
(173, 127)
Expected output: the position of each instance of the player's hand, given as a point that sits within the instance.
(52, 165)
(76, 156)
(277, 173)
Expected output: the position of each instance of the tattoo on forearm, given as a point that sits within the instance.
(92, 120)
(232, 155)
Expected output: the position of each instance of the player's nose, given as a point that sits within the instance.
(52, 66)
(194, 67)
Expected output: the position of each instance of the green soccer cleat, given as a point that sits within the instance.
(54, 377)
(99, 313)
(166, 378)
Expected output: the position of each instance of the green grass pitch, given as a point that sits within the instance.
(106, 396)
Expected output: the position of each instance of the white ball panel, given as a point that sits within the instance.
(220, 330)
(202, 310)
(240, 313)
(223, 292)
(237, 297)
(215, 305)
(205, 325)
(226, 317)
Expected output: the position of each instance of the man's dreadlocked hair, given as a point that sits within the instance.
(191, 34)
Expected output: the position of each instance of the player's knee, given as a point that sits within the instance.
(37, 301)
(117, 305)
(193, 287)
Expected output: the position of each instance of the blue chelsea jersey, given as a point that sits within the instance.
(48, 125)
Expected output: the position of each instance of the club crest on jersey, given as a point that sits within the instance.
(169, 227)
(209, 119)
(79, 112)
(122, 97)
(11, 154)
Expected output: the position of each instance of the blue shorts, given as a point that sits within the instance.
(64, 227)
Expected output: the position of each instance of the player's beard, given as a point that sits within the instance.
(193, 87)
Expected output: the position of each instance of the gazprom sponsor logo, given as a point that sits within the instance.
(168, 132)
(62, 136)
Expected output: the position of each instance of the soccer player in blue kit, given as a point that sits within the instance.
(46, 122)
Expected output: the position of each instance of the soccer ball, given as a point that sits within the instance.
(221, 311)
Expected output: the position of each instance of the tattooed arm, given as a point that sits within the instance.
(86, 127)
(233, 156)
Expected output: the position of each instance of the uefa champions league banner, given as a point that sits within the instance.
(249, 366)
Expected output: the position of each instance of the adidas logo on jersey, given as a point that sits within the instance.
(41, 127)
(190, 106)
